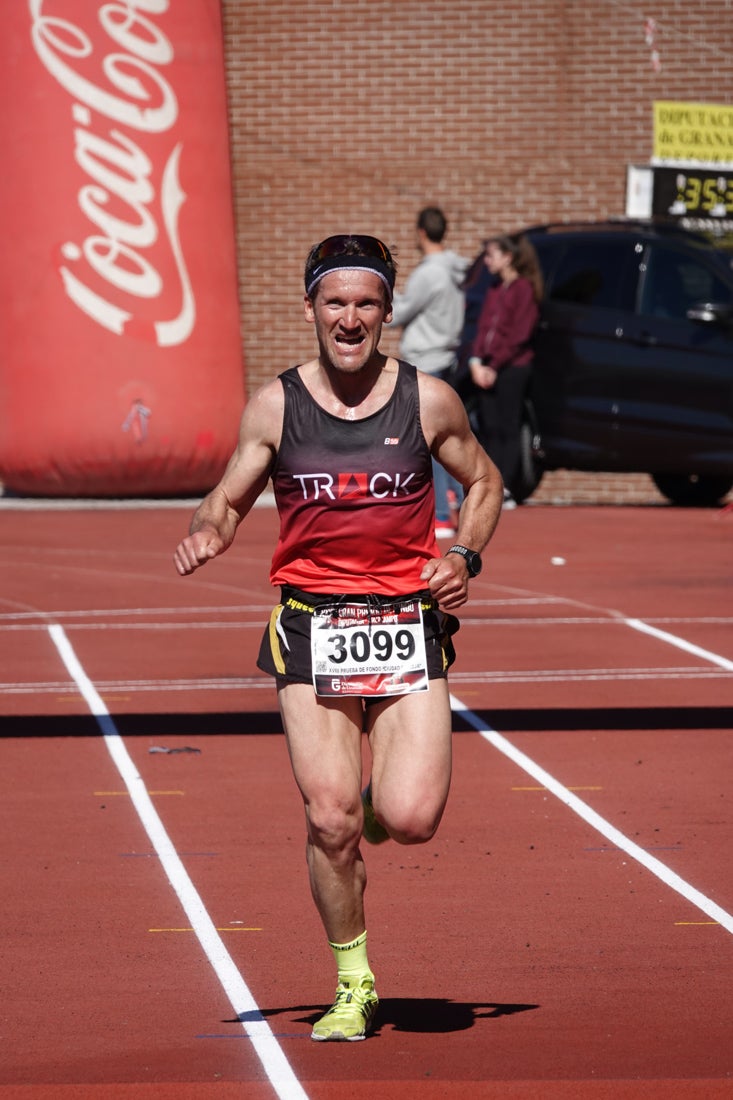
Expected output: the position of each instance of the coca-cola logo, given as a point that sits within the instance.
(113, 70)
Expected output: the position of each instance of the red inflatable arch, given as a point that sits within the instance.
(121, 368)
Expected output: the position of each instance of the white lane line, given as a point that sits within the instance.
(136, 612)
(260, 683)
(680, 643)
(605, 828)
(268, 1050)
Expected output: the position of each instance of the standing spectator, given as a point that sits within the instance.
(502, 352)
(430, 313)
(475, 288)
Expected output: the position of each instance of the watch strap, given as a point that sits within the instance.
(468, 556)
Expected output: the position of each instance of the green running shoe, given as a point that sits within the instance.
(373, 831)
(352, 1014)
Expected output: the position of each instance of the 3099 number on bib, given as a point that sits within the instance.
(357, 649)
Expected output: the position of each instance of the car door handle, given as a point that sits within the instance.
(647, 339)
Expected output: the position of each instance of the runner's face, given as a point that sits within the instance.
(348, 311)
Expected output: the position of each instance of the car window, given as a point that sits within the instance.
(674, 282)
(595, 273)
(548, 251)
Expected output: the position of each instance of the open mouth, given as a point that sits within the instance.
(350, 341)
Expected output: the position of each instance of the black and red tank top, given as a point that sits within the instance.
(355, 497)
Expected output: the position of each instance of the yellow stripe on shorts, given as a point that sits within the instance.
(275, 640)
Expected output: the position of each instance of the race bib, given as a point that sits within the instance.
(361, 650)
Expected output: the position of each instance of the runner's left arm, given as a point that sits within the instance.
(454, 445)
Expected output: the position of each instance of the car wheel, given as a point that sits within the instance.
(530, 470)
(694, 490)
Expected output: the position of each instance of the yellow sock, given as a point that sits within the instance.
(351, 959)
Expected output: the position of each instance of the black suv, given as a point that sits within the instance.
(634, 358)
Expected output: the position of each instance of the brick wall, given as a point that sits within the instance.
(353, 114)
(576, 487)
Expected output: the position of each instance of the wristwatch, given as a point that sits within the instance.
(471, 558)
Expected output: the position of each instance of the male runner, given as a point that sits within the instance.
(360, 640)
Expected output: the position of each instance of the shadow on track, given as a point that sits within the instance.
(244, 723)
(424, 1015)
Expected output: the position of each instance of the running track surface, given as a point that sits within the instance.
(568, 933)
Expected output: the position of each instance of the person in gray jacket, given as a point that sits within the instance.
(430, 312)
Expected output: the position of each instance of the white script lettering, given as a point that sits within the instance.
(133, 94)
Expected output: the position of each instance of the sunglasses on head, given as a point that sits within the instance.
(352, 244)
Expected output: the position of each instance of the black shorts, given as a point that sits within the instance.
(285, 650)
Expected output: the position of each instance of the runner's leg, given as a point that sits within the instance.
(324, 742)
(410, 739)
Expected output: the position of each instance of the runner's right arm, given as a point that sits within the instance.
(215, 521)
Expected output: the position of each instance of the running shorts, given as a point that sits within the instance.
(285, 650)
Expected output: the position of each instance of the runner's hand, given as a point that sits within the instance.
(447, 579)
(196, 550)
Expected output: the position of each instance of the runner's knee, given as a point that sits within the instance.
(333, 828)
(416, 827)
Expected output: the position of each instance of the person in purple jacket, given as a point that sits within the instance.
(502, 354)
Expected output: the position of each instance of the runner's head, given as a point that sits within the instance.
(350, 251)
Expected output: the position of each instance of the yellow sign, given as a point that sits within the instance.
(693, 131)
